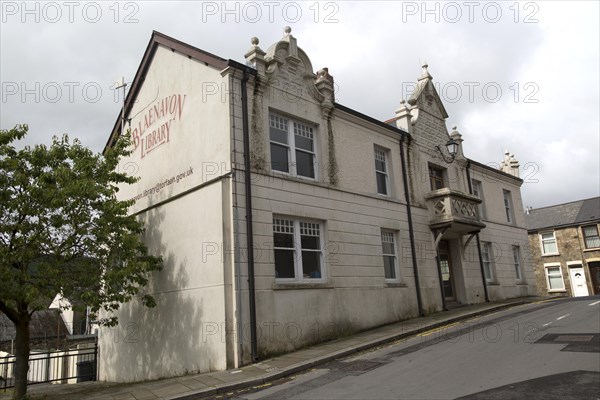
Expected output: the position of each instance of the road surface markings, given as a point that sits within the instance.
(562, 316)
(547, 300)
(429, 332)
(546, 324)
(594, 303)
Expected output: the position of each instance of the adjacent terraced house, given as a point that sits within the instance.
(565, 247)
(286, 218)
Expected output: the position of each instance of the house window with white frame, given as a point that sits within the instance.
(508, 205)
(548, 243)
(554, 278)
(486, 256)
(390, 258)
(381, 171)
(298, 248)
(591, 237)
(517, 262)
(292, 146)
(478, 192)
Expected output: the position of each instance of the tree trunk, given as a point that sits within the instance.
(22, 355)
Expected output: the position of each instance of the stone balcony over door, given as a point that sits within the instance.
(454, 211)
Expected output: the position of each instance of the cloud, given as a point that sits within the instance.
(542, 56)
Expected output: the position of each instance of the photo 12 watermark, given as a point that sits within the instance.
(453, 12)
(53, 12)
(58, 92)
(475, 92)
(255, 12)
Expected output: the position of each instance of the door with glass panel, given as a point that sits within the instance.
(446, 268)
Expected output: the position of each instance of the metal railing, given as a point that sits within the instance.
(68, 366)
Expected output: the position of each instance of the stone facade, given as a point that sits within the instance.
(347, 231)
(565, 247)
(572, 253)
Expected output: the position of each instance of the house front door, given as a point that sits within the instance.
(446, 269)
(595, 274)
(578, 282)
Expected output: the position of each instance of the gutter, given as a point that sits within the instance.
(411, 233)
(492, 169)
(249, 230)
(485, 289)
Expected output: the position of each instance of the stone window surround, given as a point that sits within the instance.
(394, 237)
(488, 248)
(477, 186)
(557, 253)
(291, 145)
(378, 153)
(584, 237)
(299, 280)
(518, 263)
(437, 173)
(508, 206)
(562, 278)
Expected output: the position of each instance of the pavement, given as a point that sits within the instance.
(263, 373)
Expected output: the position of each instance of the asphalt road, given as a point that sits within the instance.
(548, 350)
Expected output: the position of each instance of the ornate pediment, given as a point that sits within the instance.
(286, 67)
(426, 97)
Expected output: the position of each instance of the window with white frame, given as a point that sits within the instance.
(478, 192)
(487, 256)
(390, 258)
(508, 205)
(381, 171)
(548, 242)
(517, 262)
(554, 277)
(292, 146)
(591, 237)
(298, 249)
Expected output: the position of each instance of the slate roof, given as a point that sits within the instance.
(44, 324)
(562, 215)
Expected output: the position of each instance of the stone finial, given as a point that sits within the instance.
(323, 73)
(292, 45)
(403, 117)
(255, 56)
(425, 72)
(455, 134)
(324, 84)
(510, 165)
(457, 137)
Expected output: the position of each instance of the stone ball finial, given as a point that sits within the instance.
(287, 30)
(425, 65)
(254, 41)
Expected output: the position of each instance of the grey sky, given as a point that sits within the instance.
(522, 76)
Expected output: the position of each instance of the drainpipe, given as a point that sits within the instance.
(410, 227)
(485, 289)
(249, 231)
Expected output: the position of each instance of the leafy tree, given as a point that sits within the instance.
(63, 231)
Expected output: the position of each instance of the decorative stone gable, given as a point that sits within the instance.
(426, 97)
(427, 115)
(285, 78)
